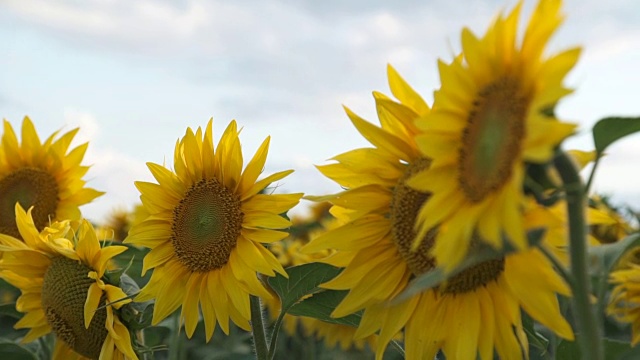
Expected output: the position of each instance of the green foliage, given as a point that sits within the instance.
(613, 349)
(11, 350)
(130, 263)
(537, 340)
(611, 129)
(322, 304)
(603, 258)
(10, 311)
(303, 280)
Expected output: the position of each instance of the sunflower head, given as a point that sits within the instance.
(617, 228)
(382, 209)
(64, 293)
(60, 273)
(625, 298)
(206, 224)
(116, 227)
(45, 175)
(490, 118)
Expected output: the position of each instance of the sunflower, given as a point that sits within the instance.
(64, 290)
(117, 225)
(490, 117)
(375, 247)
(205, 227)
(44, 175)
(616, 229)
(624, 301)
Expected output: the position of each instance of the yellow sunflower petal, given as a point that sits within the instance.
(262, 184)
(264, 219)
(190, 303)
(91, 303)
(381, 138)
(263, 235)
(352, 236)
(405, 93)
(276, 203)
(254, 167)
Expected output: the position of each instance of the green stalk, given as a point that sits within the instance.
(274, 335)
(257, 327)
(140, 340)
(593, 173)
(175, 343)
(589, 332)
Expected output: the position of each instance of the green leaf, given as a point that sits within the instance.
(603, 258)
(129, 262)
(321, 305)
(613, 349)
(481, 254)
(303, 280)
(609, 130)
(10, 310)
(536, 340)
(155, 340)
(135, 317)
(568, 350)
(128, 285)
(620, 350)
(14, 351)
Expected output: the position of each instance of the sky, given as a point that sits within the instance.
(133, 75)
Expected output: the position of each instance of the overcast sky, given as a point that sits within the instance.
(135, 74)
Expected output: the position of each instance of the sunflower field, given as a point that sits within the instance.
(464, 230)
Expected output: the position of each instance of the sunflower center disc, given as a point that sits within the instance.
(29, 187)
(64, 293)
(474, 277)
(492, 139)
(206, 226)
(405, 205)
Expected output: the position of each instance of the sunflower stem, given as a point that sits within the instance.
(589, 332)
(174, 347)
(257, 326)
(592, 174)
(140, 340)
(274, 335)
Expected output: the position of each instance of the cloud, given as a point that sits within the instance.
(112, 170)
(89, 127)
(147, 24)
(115, 173)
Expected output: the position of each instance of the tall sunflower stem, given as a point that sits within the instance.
(589, 331)
(593, 173)
(257, 327)
(174, 347)
(140, 339)
(274, 335)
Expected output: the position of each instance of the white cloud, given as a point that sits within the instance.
(89, 127)
(115, 173)
(112, 170)
(133, 23)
